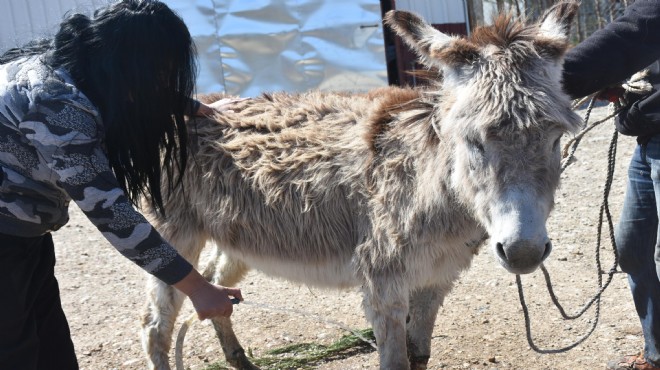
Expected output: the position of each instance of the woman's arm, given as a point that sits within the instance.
(67, 138)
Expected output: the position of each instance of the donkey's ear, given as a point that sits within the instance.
(433, 46)
(555, 28)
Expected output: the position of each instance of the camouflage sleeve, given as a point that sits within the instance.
(66, 136)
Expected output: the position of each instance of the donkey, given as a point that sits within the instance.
(392, 190)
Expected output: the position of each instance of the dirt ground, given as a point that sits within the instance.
(480, 326)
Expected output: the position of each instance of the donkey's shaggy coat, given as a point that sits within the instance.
(392, 190)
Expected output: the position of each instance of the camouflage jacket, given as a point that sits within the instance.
(51, 152)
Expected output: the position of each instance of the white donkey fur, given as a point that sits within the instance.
(392, 191)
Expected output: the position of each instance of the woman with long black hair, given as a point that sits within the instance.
(95, 115)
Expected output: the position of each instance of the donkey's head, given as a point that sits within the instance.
(501, 107)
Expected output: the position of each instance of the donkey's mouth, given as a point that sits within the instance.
(522, 257)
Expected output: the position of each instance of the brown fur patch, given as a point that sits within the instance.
(395, 100)
(460, 52)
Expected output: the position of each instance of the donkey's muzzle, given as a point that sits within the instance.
(523, 256)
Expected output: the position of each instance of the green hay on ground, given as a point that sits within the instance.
(309, 355)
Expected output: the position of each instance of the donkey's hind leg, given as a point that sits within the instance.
(230, 272)
(424, 305)
(164, 301)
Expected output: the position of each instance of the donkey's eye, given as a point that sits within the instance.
(477, 154)
(476, 145)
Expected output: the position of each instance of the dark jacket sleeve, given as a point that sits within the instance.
(612, 54)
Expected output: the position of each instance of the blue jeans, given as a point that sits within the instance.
(638, 242)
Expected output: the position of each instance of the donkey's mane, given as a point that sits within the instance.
(505, 30)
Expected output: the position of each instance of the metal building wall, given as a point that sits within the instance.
(437, 12)
(447, 16)
(249, 46)
(23, 20)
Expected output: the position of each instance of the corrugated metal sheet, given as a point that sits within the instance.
(246, 47)
(23, 20)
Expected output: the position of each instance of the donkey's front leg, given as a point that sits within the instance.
(386, 307)
(229, 272)
(424, 305)
(164, 301)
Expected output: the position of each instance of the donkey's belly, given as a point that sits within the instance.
(335, 273)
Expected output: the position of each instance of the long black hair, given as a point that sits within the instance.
(135, 60)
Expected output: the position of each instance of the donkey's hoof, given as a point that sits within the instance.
(417, 366)
(240, 361)
(243, 364)
(418, 362)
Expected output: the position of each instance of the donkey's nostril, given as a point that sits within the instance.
(548, 249)
(499, 247)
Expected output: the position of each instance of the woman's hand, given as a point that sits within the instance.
(222, 105)
(208, 300)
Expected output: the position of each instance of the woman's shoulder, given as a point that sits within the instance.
(40, 82)
(54, 100)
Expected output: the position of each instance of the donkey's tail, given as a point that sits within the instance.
(178, 349)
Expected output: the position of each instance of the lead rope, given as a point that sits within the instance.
(637, 85)
(604, 210)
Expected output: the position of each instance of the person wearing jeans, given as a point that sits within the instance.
(637, 238)
(627, 45)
